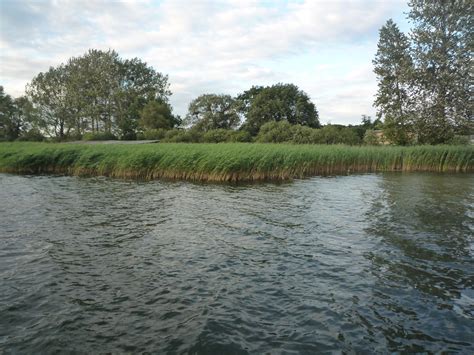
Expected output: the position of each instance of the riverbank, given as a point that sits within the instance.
(227, 162)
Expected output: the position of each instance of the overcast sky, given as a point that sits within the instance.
(324, 47)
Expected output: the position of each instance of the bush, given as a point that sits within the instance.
(303, 135)
(33, 135)
(240, 136)
(183, 136)
(349, 136)
(459, 140)
(158, 133)
(102, 136)
(332, 134)
(169, 135)
(217, 135)
(370, 138)
(275, 132)
(128, 136)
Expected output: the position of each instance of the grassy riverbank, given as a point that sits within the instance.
(227, 162)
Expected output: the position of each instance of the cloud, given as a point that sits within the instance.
(207, 46)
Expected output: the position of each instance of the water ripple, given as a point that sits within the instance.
(364, 264)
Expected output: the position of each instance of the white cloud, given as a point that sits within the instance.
(206, 46)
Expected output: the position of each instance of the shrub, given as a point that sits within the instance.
(33, 135)
(302, 135)
(459, 140)
(183, 136)
(128, 136)
(158, 133)
(240, 136)
(217, 135)
(334, 134)
(102, 136)
(275, 132)
(370, 138)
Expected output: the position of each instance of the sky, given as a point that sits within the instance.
(223, 47)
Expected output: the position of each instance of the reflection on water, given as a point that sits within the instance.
(366, 263)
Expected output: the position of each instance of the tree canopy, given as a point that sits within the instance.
(425, 80)
(394, 67)
(157, 114)
(280, 102)
(96, 92)
(211, 111)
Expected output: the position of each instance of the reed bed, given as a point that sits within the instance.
(227, 161)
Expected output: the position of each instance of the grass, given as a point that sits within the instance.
(227, 162)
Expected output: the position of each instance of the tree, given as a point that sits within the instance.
(96, 92)
(211, 111)
(370, 138)
(365, 125)
(50, 95)
(17, 117)
(93, 82)
(156, 114)
(245, 99)
(280, 102)
(394, 67)
(443, 41)
(139, 84)
(275, 132)
(9, 129)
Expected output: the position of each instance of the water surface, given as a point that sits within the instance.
(364, 263)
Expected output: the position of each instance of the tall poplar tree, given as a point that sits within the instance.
(443, 43)
(393, 67)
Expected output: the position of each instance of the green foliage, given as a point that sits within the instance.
(397, 133)
(280, 102)
(305, 135)
(9, 129)
(183, 136)
(459, 140)
(208, 112)
(393, 66)
(33, 135)
(97, 92)
(425, 85)
(156, 115)
(227, 162)
(366, 124)
(159, 133)
(370, 138)
(443, 42)
(240, 136)
(279, 132)
(217, 136)
(333, 134)
(245, 99)
(275, 132)
(102, 136)
(17, 116)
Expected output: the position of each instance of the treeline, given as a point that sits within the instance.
(425, 78)
(423, 97)
(275, 132)
(100, 96)
(97, 93)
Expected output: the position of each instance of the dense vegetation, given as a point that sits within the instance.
(425, 79)
(424, 96)
(227, 162)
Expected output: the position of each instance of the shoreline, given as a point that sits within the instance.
(227, 162)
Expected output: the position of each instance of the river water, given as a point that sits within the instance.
(365, 263)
